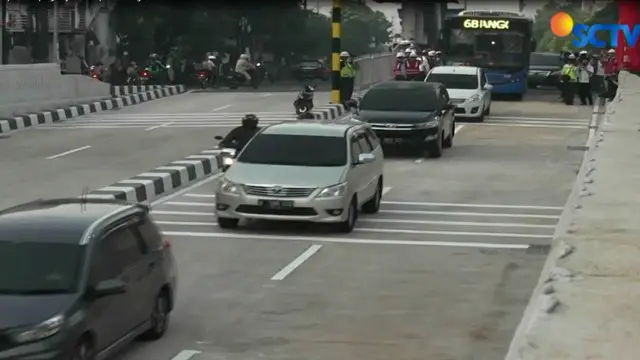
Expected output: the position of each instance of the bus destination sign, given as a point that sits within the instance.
(486, 24)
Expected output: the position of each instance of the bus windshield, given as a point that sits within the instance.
(503, 49)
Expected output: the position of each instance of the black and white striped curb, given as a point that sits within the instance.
(48, 117)
(121, 90)
(154, 183)
(329, 112)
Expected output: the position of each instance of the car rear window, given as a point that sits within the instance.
(310, 64)
(295, 150)
(400, 99)
(455, 81)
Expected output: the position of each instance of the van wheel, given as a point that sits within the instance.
(352, 216)
(373, 205)
(434, 147)
(159, 318)
(83, 350)
(227, 223)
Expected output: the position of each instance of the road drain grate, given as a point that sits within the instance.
(538, 249)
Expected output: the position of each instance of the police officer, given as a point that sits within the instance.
(347, 77)
(569, 80)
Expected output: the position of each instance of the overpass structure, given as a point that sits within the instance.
(422, 21)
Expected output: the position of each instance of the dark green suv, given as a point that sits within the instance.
(81, 278)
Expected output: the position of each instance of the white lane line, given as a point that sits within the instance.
(391, 221)
(530, 126)
(518, 118)
(215, 235)
(404, 203)
(385, 190)
(221, 108)
(497, 206)
(185, 355)
(287, 270)
(206, 196)
(467, 213)
(403, 212)
(158, 126)
(164, 199)
(68, 152)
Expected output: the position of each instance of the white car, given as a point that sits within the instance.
(468, 89)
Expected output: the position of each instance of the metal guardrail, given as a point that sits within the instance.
(372, 69)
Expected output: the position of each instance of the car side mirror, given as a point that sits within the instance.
(107, 288)
(218, 137)
(366, 158)
(488, 86)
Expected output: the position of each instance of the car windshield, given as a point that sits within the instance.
(538, 59)
(488, 49)
(31, 268)
(455, 81)
(295, 150)
(398, 99)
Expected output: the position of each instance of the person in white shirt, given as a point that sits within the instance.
(585, 71)
(243, 66)
(424, 63)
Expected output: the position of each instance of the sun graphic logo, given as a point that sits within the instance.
(561, 24)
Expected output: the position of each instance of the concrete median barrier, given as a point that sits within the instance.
(33, 87)
(150, 185)
(25, 121)
(585, 304)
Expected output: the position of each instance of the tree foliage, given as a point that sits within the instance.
(280, 28)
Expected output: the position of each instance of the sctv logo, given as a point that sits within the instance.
(562, 25)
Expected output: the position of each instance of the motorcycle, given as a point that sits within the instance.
(148, 78)
(304, 101)
(228, 155)
(235, 79)
(203, 79)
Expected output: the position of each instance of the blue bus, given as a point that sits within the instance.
(498, 41)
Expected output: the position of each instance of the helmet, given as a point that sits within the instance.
(611, 51)
(211, 57)
(424, 52)
(153, 56)
(571, 57)
(413, 55)
(432, 53)
(401, 55)
(344, 54)
(583, 52)
(250, 121)
(308, 89)
(438, 52)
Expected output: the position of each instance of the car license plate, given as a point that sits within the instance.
(275, 204)
(392, 140)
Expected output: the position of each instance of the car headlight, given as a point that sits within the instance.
(428, 124)
(228, 161)
(227, 187)
(333, 191)
(41, 331)
(474, 98)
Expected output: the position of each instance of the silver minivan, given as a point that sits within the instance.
(316, 171)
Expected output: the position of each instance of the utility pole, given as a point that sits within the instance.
(336, 21)
(56, 35)
(4, 56)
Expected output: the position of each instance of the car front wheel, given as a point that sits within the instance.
(159, 318)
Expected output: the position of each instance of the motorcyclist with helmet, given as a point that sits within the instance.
(156, 69)
(243, 66)
(238, 137)
(211, 69)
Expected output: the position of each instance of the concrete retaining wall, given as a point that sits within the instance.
(586, 305)
(34, 87)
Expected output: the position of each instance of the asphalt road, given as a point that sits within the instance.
(443, 272)
(102, 148)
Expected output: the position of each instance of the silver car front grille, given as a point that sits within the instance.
(457, 101)
(278, 191)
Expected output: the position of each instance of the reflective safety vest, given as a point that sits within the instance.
(570, 71)
(347, 71)
(413, 67)
(400, 68)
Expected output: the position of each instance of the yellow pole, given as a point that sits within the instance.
(336, 20)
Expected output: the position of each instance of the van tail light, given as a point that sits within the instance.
(166, 244)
